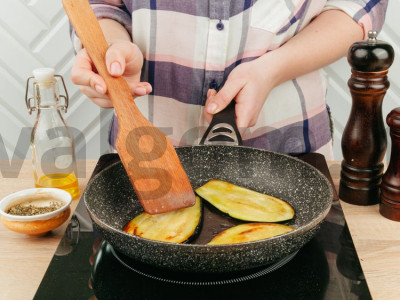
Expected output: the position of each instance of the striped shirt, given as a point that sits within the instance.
(190, 46)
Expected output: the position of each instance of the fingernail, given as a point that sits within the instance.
(140, 90)
(115, 68)
(99, 88)
(211, 108)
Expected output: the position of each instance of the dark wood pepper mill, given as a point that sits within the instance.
(364, 137)
(390, 187)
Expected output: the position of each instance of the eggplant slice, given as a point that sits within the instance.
(177, 226)
(249, 232)
(244, 204)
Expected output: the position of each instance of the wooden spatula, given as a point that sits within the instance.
(149, 158)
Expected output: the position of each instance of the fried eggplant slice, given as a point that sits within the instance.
(249, 232)
(177, 226)
(244, 204)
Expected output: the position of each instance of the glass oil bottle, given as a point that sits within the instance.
(52, 145)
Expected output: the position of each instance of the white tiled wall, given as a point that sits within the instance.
(35, 33)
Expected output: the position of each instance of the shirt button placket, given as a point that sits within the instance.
(217, 44)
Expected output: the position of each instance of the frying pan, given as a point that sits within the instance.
(112, 203)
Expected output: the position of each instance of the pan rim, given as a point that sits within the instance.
(204, 247)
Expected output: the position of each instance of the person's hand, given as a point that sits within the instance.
(123, 58)
(248, 85)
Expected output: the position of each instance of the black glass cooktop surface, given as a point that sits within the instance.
(87, 267)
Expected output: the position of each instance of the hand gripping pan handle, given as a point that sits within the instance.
(223, 129)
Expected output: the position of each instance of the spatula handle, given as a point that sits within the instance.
(89, 31)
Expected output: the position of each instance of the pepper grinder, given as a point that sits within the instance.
(364, 137)
(390, 187)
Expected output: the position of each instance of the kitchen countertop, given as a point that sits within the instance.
(24, 260)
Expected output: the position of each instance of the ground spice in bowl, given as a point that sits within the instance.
(31, 210)
(35, 211)
(35, 204)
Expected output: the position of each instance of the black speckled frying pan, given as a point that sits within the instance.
(111, 202)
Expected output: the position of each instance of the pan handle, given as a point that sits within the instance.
(223, 129)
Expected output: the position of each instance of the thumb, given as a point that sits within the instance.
(225, 95)
(121, 53)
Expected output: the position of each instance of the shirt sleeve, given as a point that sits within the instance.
(369, 14)
(111, 9)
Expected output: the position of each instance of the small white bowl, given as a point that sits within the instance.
(36, 224)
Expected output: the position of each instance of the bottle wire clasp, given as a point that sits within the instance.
(32, 102)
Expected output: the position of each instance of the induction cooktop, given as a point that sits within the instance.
(85, 266)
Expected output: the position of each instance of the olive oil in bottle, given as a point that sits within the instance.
(66, 182)
(52, 145)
